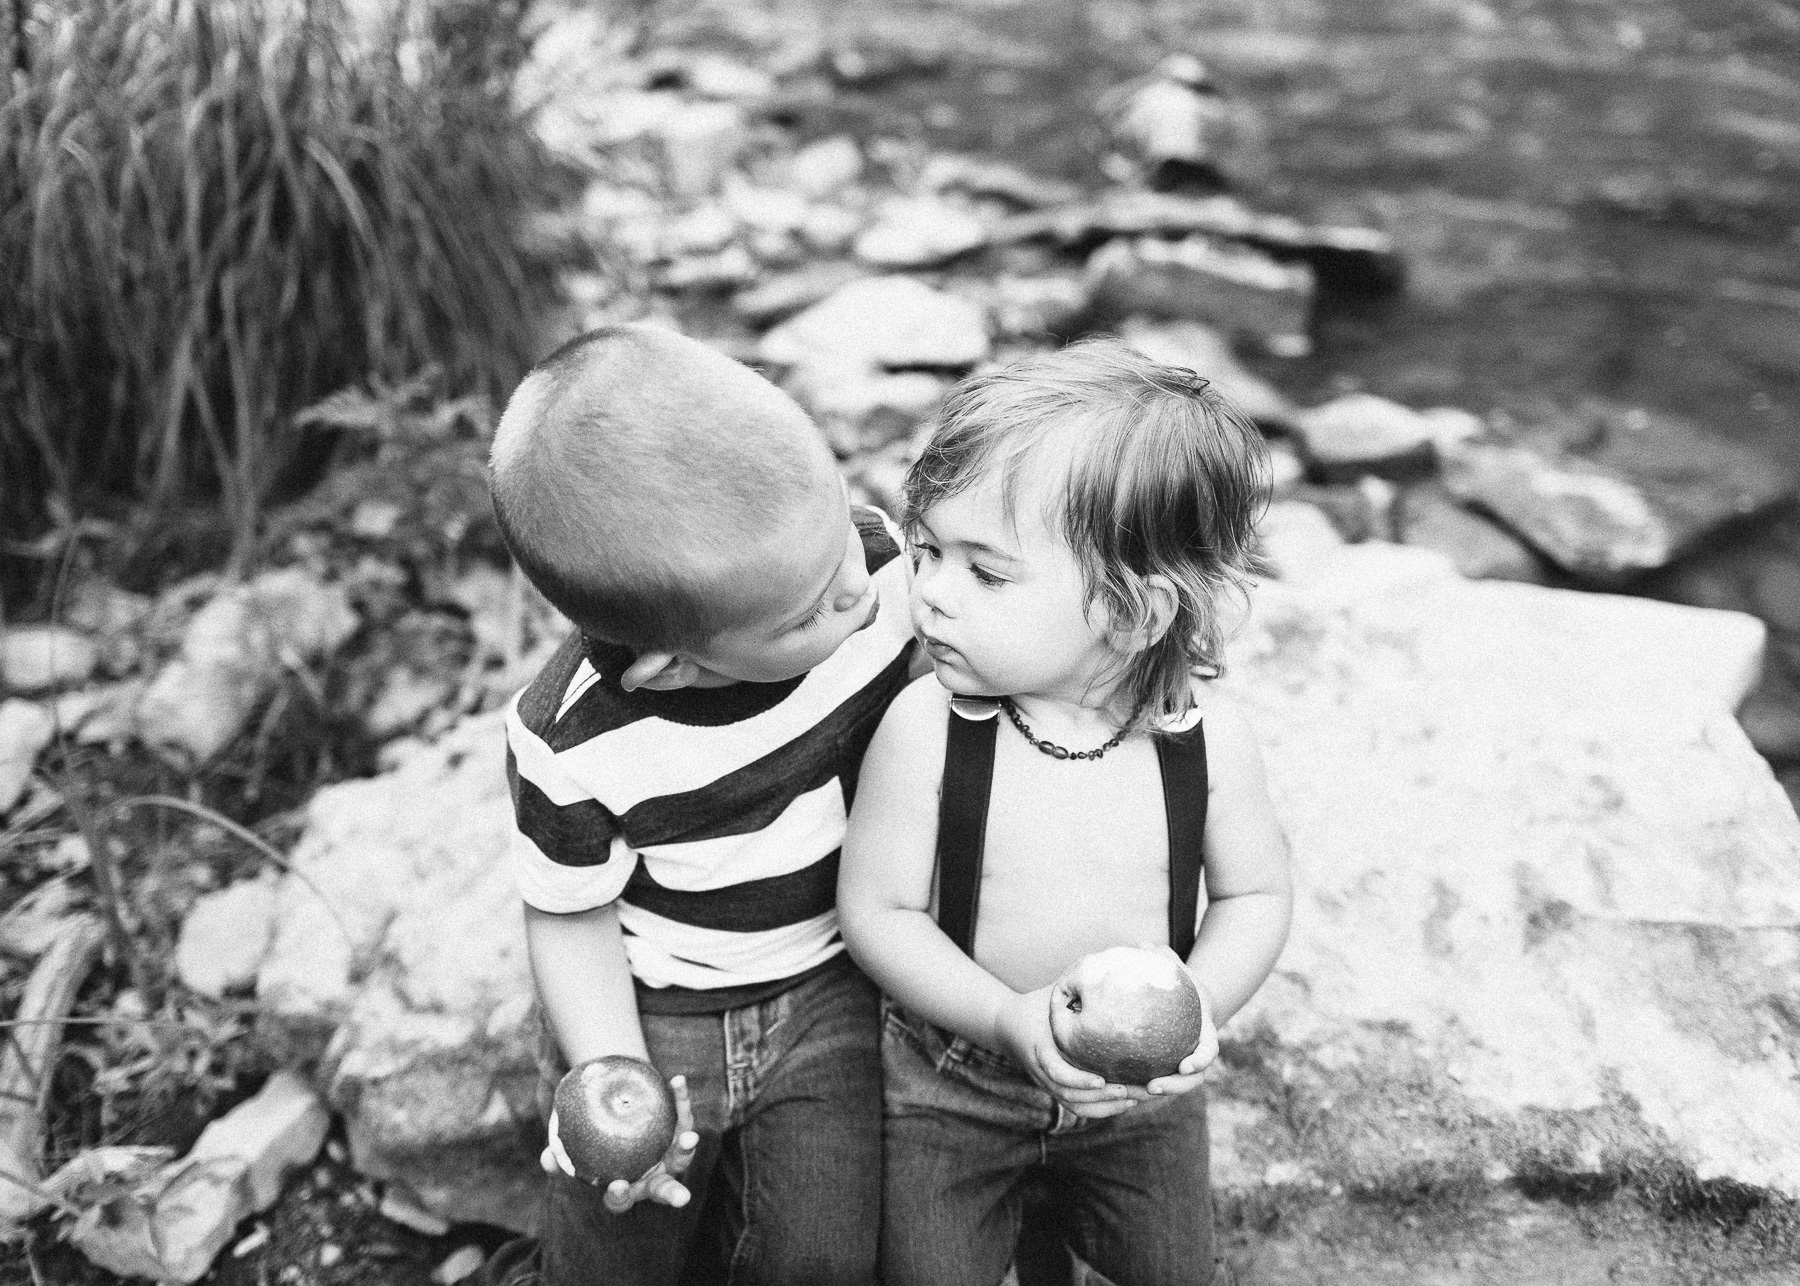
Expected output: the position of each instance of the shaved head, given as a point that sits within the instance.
(635, 475)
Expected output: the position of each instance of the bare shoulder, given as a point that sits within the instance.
(1231, 741)
(913, 727)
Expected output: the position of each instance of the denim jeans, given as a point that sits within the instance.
(966, 1133)
(786, 1182)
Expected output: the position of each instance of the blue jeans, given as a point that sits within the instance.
(787, 1180)
(966, 1133)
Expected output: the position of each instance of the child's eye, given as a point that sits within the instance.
(819, 613)
(922, 550)
(984, 577)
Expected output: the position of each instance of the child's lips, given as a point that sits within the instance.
(938, 650)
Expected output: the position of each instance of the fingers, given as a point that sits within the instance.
(658, 1186)
(554, 1157)
(681, 1148)
(667, 1190)
(618, 1197)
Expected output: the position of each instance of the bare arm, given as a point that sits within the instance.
(884, 908)
(584, 985)
(1249, 892)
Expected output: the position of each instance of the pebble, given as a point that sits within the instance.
(460, 1263)
(39, 658)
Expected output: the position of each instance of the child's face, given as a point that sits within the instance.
(812, 588)
(998, 599)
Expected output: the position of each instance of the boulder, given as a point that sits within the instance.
(781, 297)
(1345, 261)
(881, 323)
(1203, 350)
(233, 653)
(1227, 285)
(224, 937)
(42, 658)
(400, 947)
(1635, 492)
(1040, 305)
(860, 411)
(919, 233)
(25, 729)
(1427, 516)
(821, 168)
(1548, 910)
(980, 177)
(1360, 433)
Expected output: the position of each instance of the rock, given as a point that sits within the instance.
(1050, 305)
(1549, 895)
(919, 233)
(404, 698)
(1204, 351)
(224, 937)
(1450, 427)
(273, 1133)
(25, 729)
(1646, 488)
(778, 298)
(822, 168)
(701, 231)
(700, 144)
(830, 229)
(881, 322)
(1294, 536)
(458, 1264)
(1481, 549)
(100, 715)
(1345, 261)
(1360, 433)
(42, 658)
(879, 478)
(1285, 469)
(233, 653)
(980, 177)
(861, 412)
(399, 938)
(1238, 290)
(171, 1220)
(1176, 128)
(765, 209)
(725, 270)
(710, 75)
(29, 926)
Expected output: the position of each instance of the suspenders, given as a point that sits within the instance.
(962, 825)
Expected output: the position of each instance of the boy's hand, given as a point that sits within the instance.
(1188, 1076)
(659, 1183)
(1024, 1029)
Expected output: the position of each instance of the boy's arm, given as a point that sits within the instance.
(584, 983)
(884, 908)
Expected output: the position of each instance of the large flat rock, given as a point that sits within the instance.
(1548, 913)
(1548, 922)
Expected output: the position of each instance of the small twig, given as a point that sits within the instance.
(112, 898)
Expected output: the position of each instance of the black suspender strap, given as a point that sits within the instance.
(962, 824)
(1183, 761)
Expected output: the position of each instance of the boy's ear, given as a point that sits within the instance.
(659, 672)
(1163, 600)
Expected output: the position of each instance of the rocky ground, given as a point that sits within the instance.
(1533, 262)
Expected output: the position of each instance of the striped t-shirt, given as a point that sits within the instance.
(713, 816)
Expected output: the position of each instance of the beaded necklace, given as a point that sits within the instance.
(1050, 747)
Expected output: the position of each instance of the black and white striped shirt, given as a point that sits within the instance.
(713, 816)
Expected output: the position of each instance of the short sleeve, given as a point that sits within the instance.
(566, 852)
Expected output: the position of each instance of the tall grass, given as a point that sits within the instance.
(213, 212)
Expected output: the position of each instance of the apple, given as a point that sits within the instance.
(615, 1118)
(1129, 1013)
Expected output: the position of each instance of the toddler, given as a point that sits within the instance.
(1065, 783)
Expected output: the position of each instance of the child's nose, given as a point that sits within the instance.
(853, 585)
(930, 589)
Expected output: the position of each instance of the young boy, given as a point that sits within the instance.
(681, 774)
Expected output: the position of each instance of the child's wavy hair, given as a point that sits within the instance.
(1168, 478)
